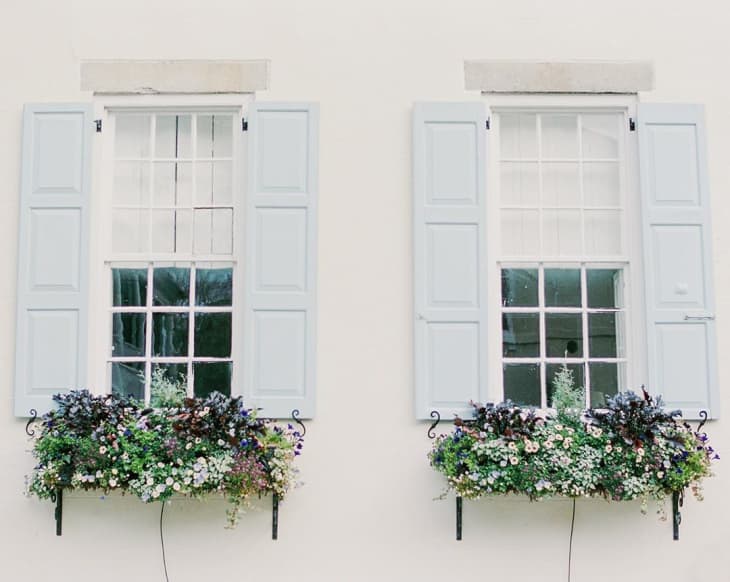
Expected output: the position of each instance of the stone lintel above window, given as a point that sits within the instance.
(506, 76)
(151, 77)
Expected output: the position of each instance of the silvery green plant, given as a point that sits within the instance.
(568, 399)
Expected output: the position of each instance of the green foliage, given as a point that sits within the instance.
(631, 450)
(199, 447)
(568, 399)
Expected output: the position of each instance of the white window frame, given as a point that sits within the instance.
(636, 351)
(100, 332)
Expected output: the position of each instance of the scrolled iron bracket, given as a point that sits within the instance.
(57, 498)
(295, 417)
(677, 502)
(31, 420)
(703, 416)
(434, 414)
(275, 517)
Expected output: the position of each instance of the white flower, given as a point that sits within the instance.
(558, 437)
(189, 446)
(169, 481)
(112, 482)
(660, 474)
(102, 450)
(176, 486)
(558, 427)
(161, 465)
(609, 448)
(197, 440)
(512, 446)
(99, 474)
(150, 481)
(155, 493)
(514, 460)
(114, 471)
(221, 442)
(161, 487)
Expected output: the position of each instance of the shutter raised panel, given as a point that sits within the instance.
(449, 159)
(680, 303)
(53, 244)
(281, 259)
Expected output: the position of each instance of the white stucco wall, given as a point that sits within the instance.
(366, 512)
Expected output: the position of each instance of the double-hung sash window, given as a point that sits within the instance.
(172, 265)
(563, 254)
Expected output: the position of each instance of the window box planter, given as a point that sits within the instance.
(197, 447)
(633, 449)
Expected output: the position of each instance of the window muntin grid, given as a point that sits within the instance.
(562, 210)
(178, 317)
(561, 185)
(541, 330)
(172, 190)
(172, 212)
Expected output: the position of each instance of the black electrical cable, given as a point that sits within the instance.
(570, 545)
(162, 542)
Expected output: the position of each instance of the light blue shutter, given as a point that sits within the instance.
(680, 303)
(53, 245)
(281, 258)
(449, 158)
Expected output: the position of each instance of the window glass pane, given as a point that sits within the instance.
(520, 335)
(600, 135)
(603, 232)
(519, 184)
(128, 334)
(172, 136)
(128, 379)
(171, 286)
(170, 334)
(172, 372)
(562, 233)
(562, 288)
(130, 231)
(522, 384)
(561, 184)
(131, 184)
(183, 231)
(605, 381)
(214, 183)
(212, 377)
(213, 231)
(519, 287)
(604, 287)
(520, 233)
(518, 136)
(213, 287)
(173, 184)
(213, 335)
(132, 136)
(559, 136)
(550, 373)
(602, 335)
(215, 134)
(564, 335)
(601, 184)
(129, 287)
(162, 224)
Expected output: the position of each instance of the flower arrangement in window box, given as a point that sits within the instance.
(185, 446)
(632, 449)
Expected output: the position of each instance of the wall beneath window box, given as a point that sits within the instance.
(366, 510)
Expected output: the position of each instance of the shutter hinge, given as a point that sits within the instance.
(632, 124)
(487, 123)
(98, 125)
(244, 124)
